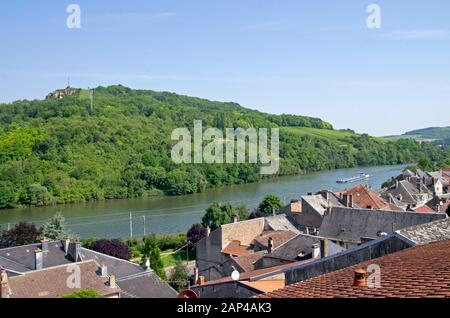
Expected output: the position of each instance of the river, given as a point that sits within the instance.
(176, 214)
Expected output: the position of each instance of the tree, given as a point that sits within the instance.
(84, 293)
(241, 212)
(113, 248)
(22, 234)
(256, 215)
(179, 277)
(195, 234)
(55, 228)
(270, 204)
(217, 215)
(152, 252)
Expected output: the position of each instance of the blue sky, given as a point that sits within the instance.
(315, 58)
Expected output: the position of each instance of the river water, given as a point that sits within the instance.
(164, 215)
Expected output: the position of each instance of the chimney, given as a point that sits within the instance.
(39, 259)
(296, 206)
(104, 270)
(325, 195)
(208, 231)
(360, 278)
(235, 219)
(396, 184)
(316, 251)
(270, 245)
(44, 245)
(196, 276)
(112, 281)
(74, 250)
(65, 244)
(5, 291)
(348, 200)
(201, 280)
(324, 248)
(327, 211)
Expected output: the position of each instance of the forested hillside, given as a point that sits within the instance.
(59, 151)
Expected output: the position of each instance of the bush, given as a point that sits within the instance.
(195, 234)
(115, 248)
(22, 234)
(84, 293)
(171, 242)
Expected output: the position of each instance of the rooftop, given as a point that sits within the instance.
(429, 232)
(421, 271)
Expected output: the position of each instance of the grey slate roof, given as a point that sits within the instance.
(22, 258)
(134, 280)
(428, 232)
(355, 225)
(302, 243)
(279, 222)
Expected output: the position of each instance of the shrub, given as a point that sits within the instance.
(115, 248)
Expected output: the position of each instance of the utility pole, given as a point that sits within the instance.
(9, 227)
(131, 224)
(143, 220)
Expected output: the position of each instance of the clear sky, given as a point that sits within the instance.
(315, 58)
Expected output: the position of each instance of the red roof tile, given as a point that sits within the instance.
(422, 271)
(424, 209)
(366, 198)
(234, 248)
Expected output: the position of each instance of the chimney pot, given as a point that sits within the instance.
(360, 277)
(235, 219)
(201, 280)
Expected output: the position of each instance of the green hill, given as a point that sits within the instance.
(434, 135)
(58, 150)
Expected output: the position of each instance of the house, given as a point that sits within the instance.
(362, 197)
(52, 282)
(408, 194)
(299, 248)
(269, 279)
(409, 273)
(307, 214)
(440, 203)
(238, 245)
(248, 284)
(131, 279)
(350, 227)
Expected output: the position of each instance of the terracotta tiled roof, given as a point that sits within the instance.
(421, 271)
(424, 209)
(52, 282)
(247, 262)
(265, 286)
(363, 197)
(279, 237)
(234, 248)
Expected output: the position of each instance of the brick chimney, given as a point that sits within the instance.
(324, 248)
(348, 200)
(112, 281)
(38, 259)
(360, 278)
(5, 290)
(270, 245)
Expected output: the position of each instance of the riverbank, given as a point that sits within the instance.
(165, 215)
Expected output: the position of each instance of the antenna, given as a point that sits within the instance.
(68, 82)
